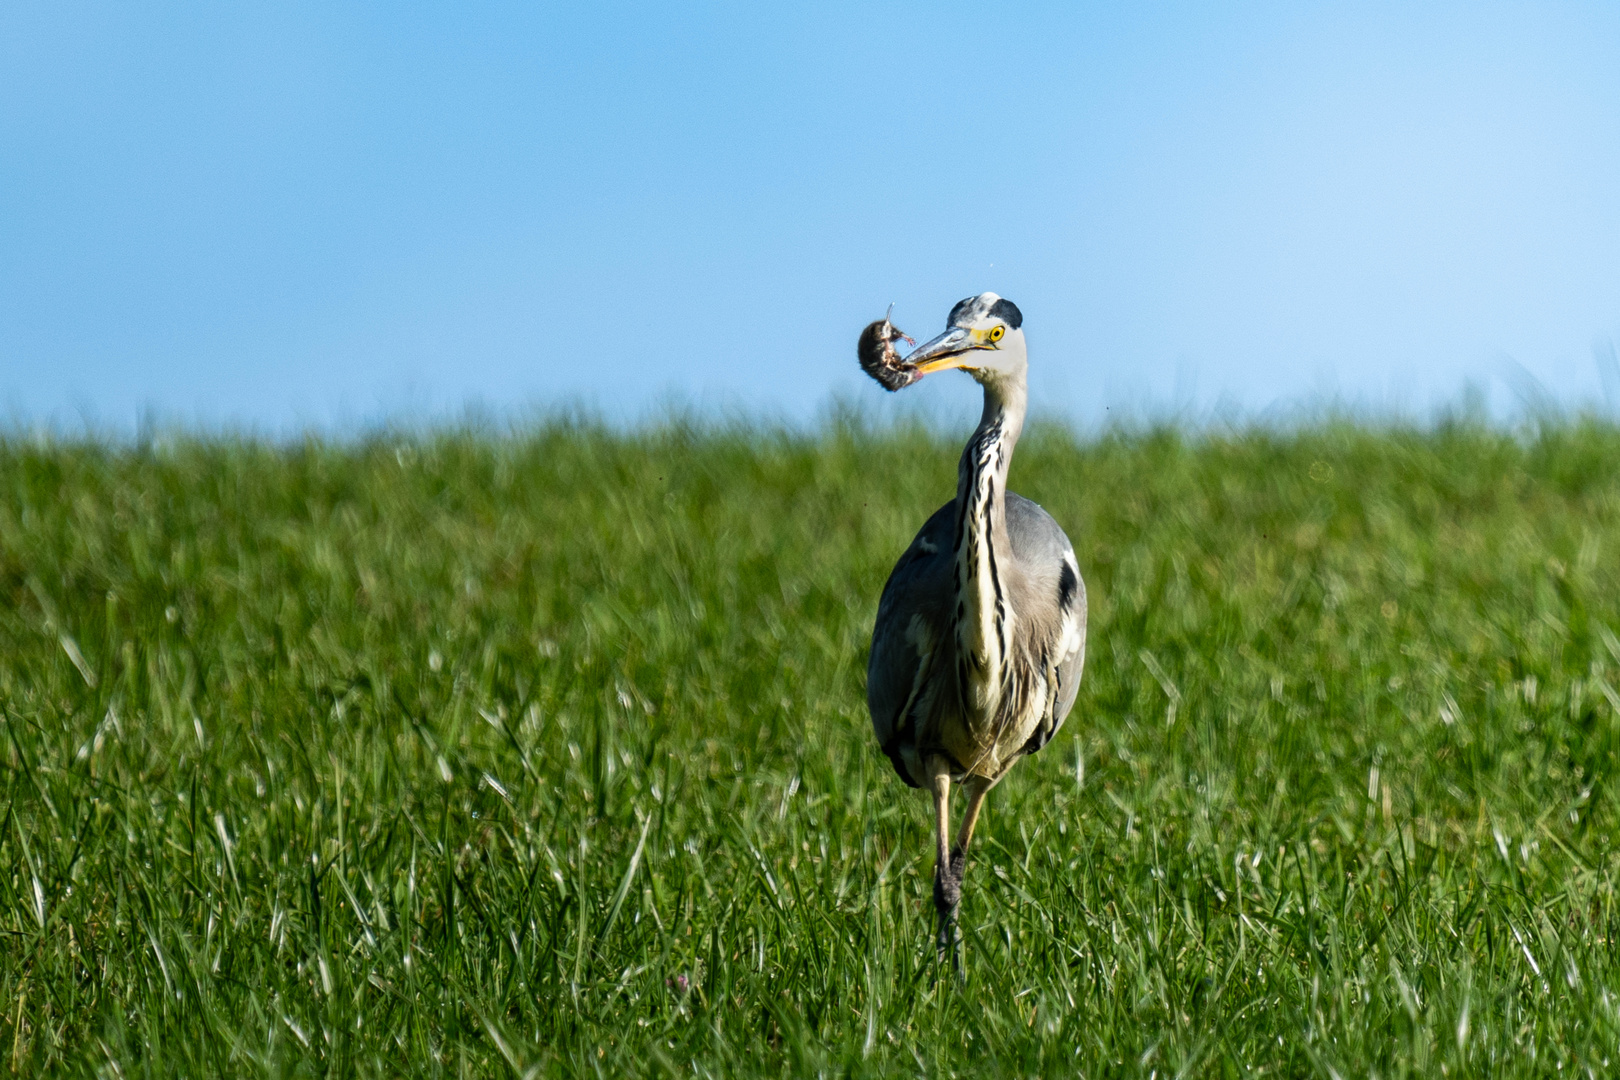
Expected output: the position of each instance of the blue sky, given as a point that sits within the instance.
(290, 214)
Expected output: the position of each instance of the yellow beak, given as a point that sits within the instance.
(946, 351)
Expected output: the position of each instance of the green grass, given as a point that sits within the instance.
(481, 755)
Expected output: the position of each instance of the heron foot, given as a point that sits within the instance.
(948, 887)
(947, 898)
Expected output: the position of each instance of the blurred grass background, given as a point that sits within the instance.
(533, 753)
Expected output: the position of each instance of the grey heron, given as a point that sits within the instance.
(981, 630)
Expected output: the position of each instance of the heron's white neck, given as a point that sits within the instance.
(984, 614)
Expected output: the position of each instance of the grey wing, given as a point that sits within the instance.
(910, 617)
(1056, 602)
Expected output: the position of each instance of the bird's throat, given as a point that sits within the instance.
(983, 615)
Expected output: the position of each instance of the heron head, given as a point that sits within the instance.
(984, 337)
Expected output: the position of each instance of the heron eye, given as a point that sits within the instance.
(996, 332)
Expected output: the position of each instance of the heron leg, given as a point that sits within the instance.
(978, 787)
(947, 887)
(955, 864)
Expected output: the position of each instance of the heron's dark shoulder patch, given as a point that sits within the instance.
(1067, 584)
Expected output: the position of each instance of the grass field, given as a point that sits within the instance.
(474, 754)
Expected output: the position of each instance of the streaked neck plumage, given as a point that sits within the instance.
(984, 614)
